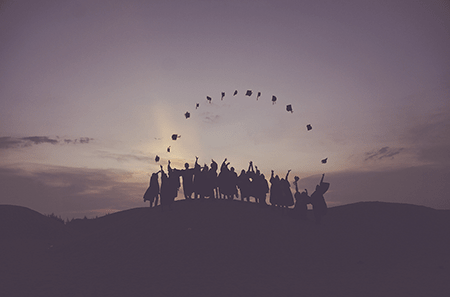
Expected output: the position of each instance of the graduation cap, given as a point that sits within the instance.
(187, 115)
(223, 95)
(209, 99)
(274, 99)
(235, 93)
(168, 149)
(157, 158)
(309, 127)
(259, 95)
(324, 161)
(249, 93)
(289, 108)
(197, 105)
(175, 136)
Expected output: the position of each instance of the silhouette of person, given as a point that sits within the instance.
(302, 199)
(223, 180)
(318, 201)
(204, 185)
(213, 180)
(169, 186)
(261, 188)
(188, 181)
(286, 194)
(152, 193)
(165, 189)
(251, 181)
(197, 179)
(243, 183)
(275, 190)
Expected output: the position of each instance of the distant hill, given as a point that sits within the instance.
(231, 248)
(19, 221)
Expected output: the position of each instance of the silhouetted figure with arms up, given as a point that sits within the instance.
(223, 180)
(286, 194)
(261, 187)
(197, 179)
(251, 181)
(188, 181)
(318, 201)
(152, 193)
(302, 199)
(165, 189)
(213, 180)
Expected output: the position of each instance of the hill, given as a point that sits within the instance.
(230, 248)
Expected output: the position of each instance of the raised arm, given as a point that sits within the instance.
(321, 181)
(287, 174)
(196, 163)
(224, 165)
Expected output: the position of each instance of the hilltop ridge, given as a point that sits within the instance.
(231, 248)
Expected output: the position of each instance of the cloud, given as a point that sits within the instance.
(12, 142)
(126, 157)
(385, 152)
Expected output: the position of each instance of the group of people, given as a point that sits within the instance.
(205, 181)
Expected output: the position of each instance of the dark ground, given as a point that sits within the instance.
(228, 248)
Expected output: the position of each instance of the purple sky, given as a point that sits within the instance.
(91, 91)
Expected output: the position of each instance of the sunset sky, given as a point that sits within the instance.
(91, 91)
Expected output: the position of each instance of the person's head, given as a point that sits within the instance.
(242, 171)
(232, 169)
(296, 178)
(186, 165)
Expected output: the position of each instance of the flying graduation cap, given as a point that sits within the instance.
(223, 95)
(209, 99)
(168, 149)
(157, 158)
(249, 93)
(309, 127)
(187, 115)
(274, 99)
(235, 93)
(175, 136)
(197, 105)
(324, 161)
(259, 95)
(289, 108)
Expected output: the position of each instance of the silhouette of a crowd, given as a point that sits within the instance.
(201, 182)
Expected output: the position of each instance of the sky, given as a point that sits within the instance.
(91, 91)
